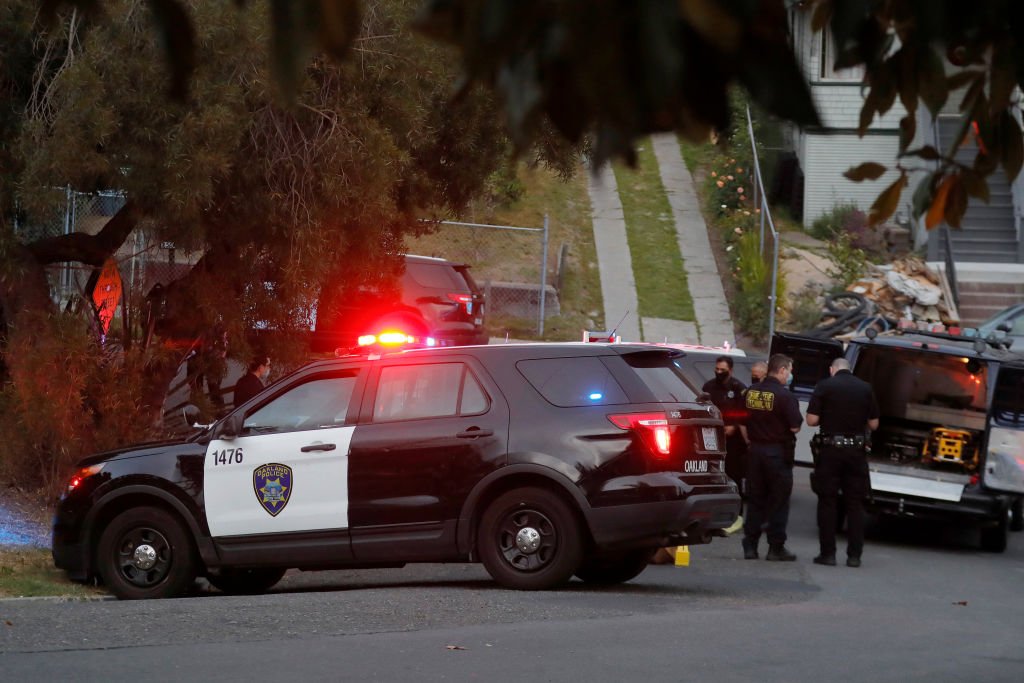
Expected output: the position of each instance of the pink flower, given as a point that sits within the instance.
(740, 190)
(720, 183)
(714, 174)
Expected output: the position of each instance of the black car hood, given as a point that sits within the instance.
(134, 451)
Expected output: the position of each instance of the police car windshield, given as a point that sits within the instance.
(662, 376)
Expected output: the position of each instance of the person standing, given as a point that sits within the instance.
(251, 383)
(727, 394)
(846, 411)
(773, 419)
(757, 372)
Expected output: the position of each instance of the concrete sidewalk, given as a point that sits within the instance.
(618, 287)
(714, 321)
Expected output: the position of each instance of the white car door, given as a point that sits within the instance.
(288, 468)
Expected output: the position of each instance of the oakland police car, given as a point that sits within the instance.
(539, 460)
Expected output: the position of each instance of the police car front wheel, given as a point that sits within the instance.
(144, 553)
(530, 539)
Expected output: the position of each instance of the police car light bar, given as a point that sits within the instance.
(393, 339)
(601, 336)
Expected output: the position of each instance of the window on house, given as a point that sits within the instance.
(828, 55)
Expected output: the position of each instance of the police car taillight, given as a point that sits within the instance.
(652, 427)
(81, 475)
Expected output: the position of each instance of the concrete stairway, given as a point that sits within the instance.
(981, 300)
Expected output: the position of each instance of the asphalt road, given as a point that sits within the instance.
(926, 606)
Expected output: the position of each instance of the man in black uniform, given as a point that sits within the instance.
(845, 408)
(773, 419)
(757, 372)
(727, 394)
(251, 383)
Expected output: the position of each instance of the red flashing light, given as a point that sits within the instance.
(81, 475)
(460, 298)
(975, 479)
(394, 339)
(652, 427)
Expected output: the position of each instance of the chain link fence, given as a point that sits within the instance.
(142, 261)
(509, 263)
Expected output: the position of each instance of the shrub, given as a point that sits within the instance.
(752, 273)
(728, 187)
(841, 219)
(849, 263)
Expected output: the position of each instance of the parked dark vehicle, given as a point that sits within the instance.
(950, 442)
(539, 460)
(433, 298)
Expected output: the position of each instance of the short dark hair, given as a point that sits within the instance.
(724, 359)
(777, 362)
(257, 362)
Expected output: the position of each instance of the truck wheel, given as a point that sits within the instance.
(993, 538)
(1017, 512)
(530, 539)
(612, 569)
(146, 553)
(245, 581)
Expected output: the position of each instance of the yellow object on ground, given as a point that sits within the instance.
(682, 556)
(735, 526)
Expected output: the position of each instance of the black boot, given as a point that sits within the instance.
(779, 553)
(749, 551)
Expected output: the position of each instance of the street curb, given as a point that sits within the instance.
(59, 598)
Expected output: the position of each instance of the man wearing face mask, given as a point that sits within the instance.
(773, 419)
(727, 394)
(757, 372)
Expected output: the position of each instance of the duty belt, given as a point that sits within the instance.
(840, 441)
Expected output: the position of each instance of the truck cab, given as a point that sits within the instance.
(950, 442)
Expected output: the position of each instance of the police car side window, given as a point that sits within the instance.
(410, 392)
(317, 404)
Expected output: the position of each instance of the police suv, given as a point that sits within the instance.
(950, 442)
(539, 460)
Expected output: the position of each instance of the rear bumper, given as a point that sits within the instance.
(689, 521)
(972, 506)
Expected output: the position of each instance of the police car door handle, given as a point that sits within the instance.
(318, 447)
(474, 432)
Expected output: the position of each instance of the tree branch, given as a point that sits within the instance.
(91, 250)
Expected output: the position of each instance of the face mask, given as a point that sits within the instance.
(789, 380)
(721, 376)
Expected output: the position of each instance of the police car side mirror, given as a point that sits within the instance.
(229, 428)
(704, 397)
(190, 414)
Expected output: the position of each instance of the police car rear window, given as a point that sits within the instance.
(410, 392)
(434, 276)
(572, 382)
(662, 376)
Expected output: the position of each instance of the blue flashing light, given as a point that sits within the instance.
(596, 396)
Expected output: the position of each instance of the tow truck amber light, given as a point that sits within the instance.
(81, 475)
(652, 427)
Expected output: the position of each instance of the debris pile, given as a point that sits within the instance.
(908, 290)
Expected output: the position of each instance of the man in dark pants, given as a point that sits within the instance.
(845, 408)
(727, 394)
(773, 419)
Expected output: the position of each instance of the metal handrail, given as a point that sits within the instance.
(766, 215)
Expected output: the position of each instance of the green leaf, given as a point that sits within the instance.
(923, 194)
(932, 80)
(886, 203)
(1013, 145)
(869, 170)
(339, 24)
(908, 128)
(956, 202)
(179, 43)
(975, 185)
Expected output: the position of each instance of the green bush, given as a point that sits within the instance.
(849, 263)
(66, 397)
(839, 220)
(752, 273)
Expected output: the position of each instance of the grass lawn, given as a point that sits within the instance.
(29, 572)
(662, 289)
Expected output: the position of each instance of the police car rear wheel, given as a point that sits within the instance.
(529, 539)
(146, 553)
(613, 569)
(245, 581)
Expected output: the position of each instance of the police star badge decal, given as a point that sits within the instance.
(272, 484)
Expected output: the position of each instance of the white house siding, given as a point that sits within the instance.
(827, 155)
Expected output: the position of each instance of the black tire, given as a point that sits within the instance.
(994, 538)
(146, 553)
(246, 581)
(1017, 515)
(609, 570)
(551, 540)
